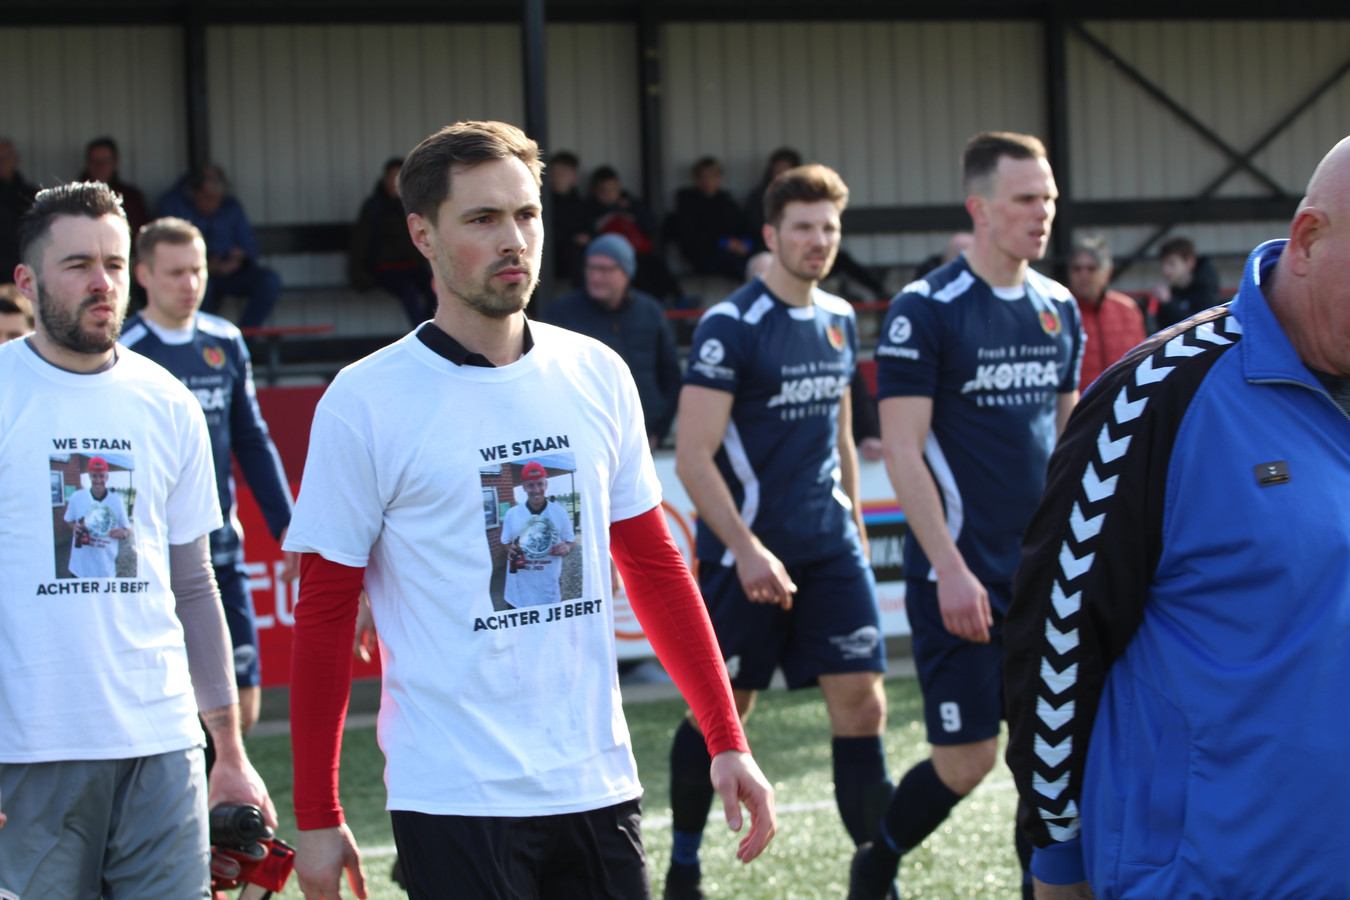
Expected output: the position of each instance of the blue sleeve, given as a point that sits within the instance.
(667, 376)
(172, 204)
(909, 350)
(718, 352)
(241, 233)
(1075, 325)
(253, 447)
(1059, 863)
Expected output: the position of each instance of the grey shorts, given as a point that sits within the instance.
(116, 829)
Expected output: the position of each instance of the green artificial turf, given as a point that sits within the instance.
(971, 855)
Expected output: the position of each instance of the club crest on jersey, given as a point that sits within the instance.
(1050, 322)
(836, 337)
(214, 356)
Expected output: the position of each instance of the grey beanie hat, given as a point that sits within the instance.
(617, 248)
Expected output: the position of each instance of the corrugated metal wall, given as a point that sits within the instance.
(302, 117)
(887, 104)
(61, 87)
(1239, 79)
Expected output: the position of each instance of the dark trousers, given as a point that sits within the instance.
(259, 285)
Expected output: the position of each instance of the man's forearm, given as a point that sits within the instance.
(205, 633)
(918, 495)
(713, 501)
(222, 723)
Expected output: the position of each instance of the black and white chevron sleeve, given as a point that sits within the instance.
(1088, 557)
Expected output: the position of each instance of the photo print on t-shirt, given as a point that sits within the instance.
(93, 500)
(532, 513)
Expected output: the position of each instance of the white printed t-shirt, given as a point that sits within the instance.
(535, 579)
(412, 465)
(98, 557)
(96, 668)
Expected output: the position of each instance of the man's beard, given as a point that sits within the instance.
(63, 326)
(496, 301)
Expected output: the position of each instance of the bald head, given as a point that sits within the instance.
(1329, 187)
(1311, 292)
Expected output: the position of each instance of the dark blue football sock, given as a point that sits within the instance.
(691, 792)
(861, 788)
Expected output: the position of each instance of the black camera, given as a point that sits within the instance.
(244, 850)
(238, 824)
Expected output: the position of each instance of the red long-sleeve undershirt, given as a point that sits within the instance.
(661, 592)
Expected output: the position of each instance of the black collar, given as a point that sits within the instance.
(444, 345)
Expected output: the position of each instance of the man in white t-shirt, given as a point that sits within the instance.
(539, 532)
(508, 764)
(99, 522)
(101, 771)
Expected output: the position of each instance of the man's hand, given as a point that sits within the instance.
(118, 533)
(1080, 891)
(320, 857)
(236, 781)
(870, 449)
(562, 548)
(737, 778)
(965, 605)
(290, 561)
(2, 820)
(764, 578)
(363, 645)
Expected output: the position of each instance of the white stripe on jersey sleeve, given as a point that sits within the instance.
(740, 466)
(946, 484)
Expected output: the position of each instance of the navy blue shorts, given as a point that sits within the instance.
(834, 625)
(962, 682)
(238, 600)
(595, 855)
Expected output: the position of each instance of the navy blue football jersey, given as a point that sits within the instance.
(215, 366)
(787, 367)
(993, 361)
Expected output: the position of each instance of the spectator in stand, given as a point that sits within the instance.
(1112, 322)
(956, 245)
(713, 233)
(612, 210)
(101, 161)
(571, 227)
(16, 196)
(631, 322)
(780, 161)
(382, 253)
(202, 197)
(1192, 283)
(16, 314)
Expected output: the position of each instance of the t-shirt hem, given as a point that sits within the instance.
(76, 754)
(343, 559)
(535, 808)
(635, 509)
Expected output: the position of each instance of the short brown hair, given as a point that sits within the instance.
(1177, 246)
(13, 301)
(168, 230)
(983, 151)
(804, 184)
(424, 183)
(91, 199)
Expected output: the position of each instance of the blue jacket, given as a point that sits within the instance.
(1178, 645)
(223, 230)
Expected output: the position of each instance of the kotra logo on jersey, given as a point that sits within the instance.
(214, 356)
(1013, 380)
(1050, 323)
(809, 390)
(836, 337)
